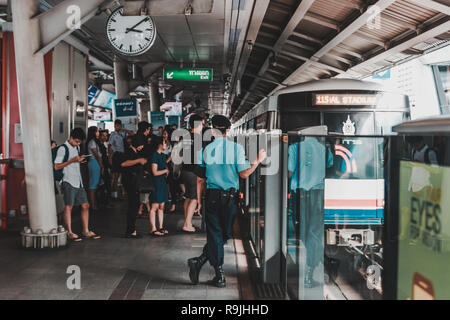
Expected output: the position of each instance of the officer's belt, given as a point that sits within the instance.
(222, 194)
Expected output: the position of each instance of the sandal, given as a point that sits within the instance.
(163, 230)
(153, 233)
(91, 235)
(74, 237)
(187, 231)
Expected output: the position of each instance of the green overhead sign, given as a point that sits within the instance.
(188, 74)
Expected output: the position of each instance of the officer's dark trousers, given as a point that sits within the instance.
(133, 204)
(220, 214)
(310, 217)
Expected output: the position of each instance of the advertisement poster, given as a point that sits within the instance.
(173, 120)
(157, 119)
(126, 111)
(172, 108)
(424, 232)
(102, 116)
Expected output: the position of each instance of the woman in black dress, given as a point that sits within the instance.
(129, 163)
(161, 195)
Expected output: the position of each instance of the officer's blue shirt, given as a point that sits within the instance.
(307, 161)
(223, 160)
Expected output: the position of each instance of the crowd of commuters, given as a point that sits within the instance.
(104, 167)
(143, 163)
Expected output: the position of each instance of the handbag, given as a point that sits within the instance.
(145, 183)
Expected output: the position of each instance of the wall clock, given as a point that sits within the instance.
(130, 35)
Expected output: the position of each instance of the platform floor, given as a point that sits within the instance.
(115, 267)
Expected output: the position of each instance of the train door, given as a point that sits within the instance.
(253, 191)
(270, 204)
(306, 163)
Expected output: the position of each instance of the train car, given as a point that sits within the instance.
(350, 118)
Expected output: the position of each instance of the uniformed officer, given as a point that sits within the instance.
(223, 162)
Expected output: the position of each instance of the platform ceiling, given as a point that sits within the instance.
(298, 41)
(280, 43)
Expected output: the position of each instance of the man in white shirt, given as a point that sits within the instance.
(72, 183)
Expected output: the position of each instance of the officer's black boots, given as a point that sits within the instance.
(195, 265)
(219, 279)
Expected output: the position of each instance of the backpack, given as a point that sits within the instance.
(426, 158)
(58, 174)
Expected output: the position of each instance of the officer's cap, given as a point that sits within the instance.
(220, 122)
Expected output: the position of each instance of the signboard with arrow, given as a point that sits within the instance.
(205, 75)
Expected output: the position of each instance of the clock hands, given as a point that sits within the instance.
(134, 30)
(137, 24)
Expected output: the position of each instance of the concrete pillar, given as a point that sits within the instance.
(153, 95)
(34, 116)
(144, 108)
(121, 79)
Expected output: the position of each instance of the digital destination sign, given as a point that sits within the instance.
(331, 99)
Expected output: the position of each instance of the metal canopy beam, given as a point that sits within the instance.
(323, 21)
(370, 38)
(340, 37)
(349, 4)
(298, 16)
(343, 49)
(257, 17)
(433, 5)
(408, 43)
(353, 27)
(307, 37)
(339, 58)
(397, 21)
(170, 7)
(54, 22)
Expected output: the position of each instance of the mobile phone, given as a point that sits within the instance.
(87, 155)
(422, 288)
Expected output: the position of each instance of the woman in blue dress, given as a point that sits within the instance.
(95, 164)
(161, 195)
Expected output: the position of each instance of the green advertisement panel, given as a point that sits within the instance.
(188, 74)
(424, 232)
(126, 110)
(157, 119)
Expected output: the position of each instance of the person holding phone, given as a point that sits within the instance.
(72, 183)
(95, 165)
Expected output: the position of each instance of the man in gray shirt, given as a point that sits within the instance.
(116, 144)
(68, 159)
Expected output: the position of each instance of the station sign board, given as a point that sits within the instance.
(205, 75)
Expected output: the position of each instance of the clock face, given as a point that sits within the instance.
(130, 35)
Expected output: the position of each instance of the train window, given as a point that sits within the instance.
(251, 124)
(261, 122)
(352, 123)
(295, 120)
